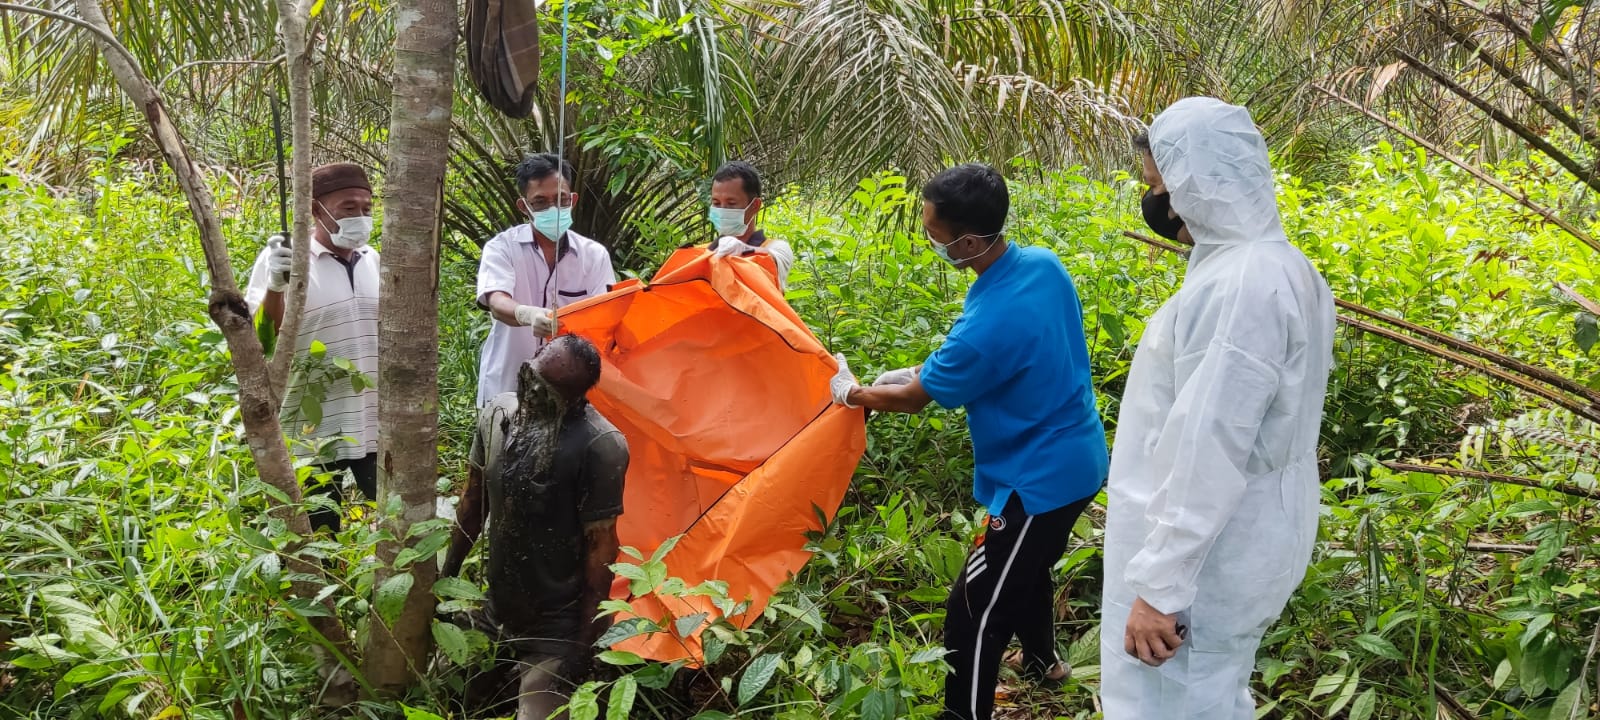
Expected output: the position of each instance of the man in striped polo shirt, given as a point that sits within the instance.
(339, 428)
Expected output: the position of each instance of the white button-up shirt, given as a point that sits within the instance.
(513, 263)
(341, 312)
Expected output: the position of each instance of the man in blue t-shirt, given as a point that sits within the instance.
(1017, 361)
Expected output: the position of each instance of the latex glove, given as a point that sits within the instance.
(541, 320)
(279, 260)
(903, 376)
(729, 245)
(843, 382)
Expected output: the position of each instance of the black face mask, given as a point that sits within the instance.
(1158, 214)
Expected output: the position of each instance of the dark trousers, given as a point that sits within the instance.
(365, 472)
(1005, 590)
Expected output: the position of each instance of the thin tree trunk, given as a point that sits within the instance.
(257, 404)
(292, 19)
(408, 328)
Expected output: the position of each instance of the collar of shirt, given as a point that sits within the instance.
(563, 246)
(757, 239)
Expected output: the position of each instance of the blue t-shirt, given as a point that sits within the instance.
(1017, 361)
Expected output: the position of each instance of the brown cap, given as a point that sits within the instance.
(334, 177)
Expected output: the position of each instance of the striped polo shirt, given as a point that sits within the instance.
(341, 312)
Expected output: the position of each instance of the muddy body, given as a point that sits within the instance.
(535, 539)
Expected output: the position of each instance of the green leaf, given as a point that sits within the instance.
(425, 548)
(1570, 704)
(1378, 646)
(391, 597)
(713, 646)
(585, 705)
(623, 692)
(418, 714)
(620, 657)
(452, 641)
(627, 629)
(665, 548)
(756, 676)
(317, 349)
(879, 705)
(686, 626)
(86, 673)
(1535, 627)
(310, 409)
(457, 589)
(1365, 703)
(927, 655)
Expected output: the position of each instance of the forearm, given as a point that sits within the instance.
(468, 526)
(908, 398)
(503, 308)
(602, 551)
(272, 309)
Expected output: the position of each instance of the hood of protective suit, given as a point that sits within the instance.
(1214, 162)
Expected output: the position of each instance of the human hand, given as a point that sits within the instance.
(279, 260)
(903, 376)
(1151, 636)
(843, 382)
(729, 245)
(541, 320)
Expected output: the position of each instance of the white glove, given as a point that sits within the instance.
(730, 245)
(541, 320)
(903, 376)
(843, 382)
(279, 260)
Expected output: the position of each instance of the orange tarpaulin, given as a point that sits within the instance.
(722, 393)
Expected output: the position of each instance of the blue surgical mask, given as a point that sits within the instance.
(553, 222)
(730, 221)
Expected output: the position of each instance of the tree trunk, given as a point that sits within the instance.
(258, 404)
(408, 328)
(292, 18)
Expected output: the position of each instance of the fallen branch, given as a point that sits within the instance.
(1562, 488)
(1528, 136)
(1497, 365)
(1451, 704)
(1587, 132)
(1543, 212)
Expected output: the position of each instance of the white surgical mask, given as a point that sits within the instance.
(730, 221)
(353, 233)
(943, 251)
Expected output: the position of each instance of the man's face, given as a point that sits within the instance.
(329, 209)
(1152, 176)
(557, 366)
(547, 192)
(958, 244)
(730, 194)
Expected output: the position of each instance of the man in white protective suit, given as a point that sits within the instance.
(1213, 489)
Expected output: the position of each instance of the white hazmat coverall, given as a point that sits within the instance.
(1213, 490)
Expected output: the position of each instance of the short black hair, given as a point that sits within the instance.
(540, 166)
(586, 367)
(973, 197)
(1141, 142)
(749, 179)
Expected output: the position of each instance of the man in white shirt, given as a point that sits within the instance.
(530, 270)
(332, 416)
(735, 208)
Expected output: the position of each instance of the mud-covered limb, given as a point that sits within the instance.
(257, 402)
(471, 512)
(601, 548)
